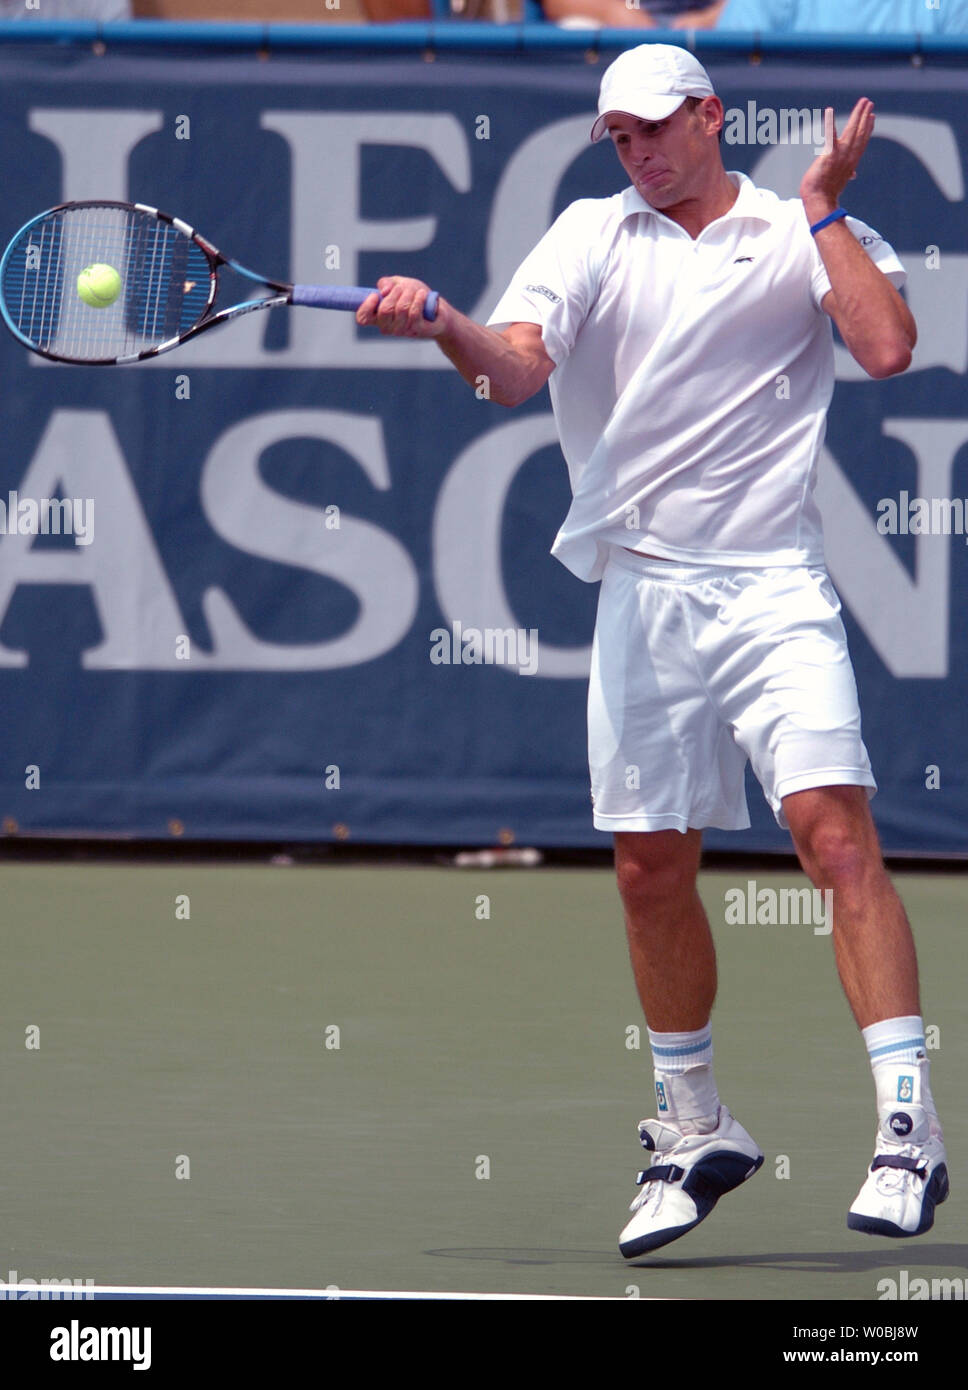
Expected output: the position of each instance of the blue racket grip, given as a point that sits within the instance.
(348, 297)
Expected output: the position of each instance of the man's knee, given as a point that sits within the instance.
(656, 867)
(834, 835)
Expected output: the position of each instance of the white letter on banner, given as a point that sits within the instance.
(251, 516)
(905, 620)
(326, 191)
(80, 454)
(524, 203)
(95, 147)
(467, 536)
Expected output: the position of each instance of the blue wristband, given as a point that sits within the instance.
(834, 216)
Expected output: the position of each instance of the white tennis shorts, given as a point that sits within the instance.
(697, 669)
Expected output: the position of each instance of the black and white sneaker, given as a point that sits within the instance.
(907, 1179)
(689, 1174)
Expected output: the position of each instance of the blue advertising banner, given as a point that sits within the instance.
(306, 591)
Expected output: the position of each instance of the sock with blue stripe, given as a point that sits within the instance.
(899, 1062)
(685, 1088)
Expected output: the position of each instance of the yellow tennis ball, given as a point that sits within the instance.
(99, 285)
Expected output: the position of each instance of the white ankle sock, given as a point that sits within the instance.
(685, 1088)
(899, 1062)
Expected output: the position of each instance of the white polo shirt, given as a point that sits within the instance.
(692, 377)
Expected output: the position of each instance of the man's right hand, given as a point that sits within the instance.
(397, 310)
(508, 367)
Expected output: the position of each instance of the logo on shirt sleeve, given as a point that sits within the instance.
(548, 294)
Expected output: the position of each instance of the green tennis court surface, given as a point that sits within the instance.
(177, 1110)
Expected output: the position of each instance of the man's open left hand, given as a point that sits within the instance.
(831, 171)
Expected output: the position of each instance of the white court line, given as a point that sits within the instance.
(55, 1293)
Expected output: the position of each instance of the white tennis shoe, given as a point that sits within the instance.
(689, 1174)
(907, 1179)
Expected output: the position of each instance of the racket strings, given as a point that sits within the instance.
(166, 283)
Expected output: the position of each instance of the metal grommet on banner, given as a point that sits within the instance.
(756, 56)
(10, 826)
(341, 831)
(176, 827)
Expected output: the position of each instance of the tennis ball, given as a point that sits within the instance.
(99, 285)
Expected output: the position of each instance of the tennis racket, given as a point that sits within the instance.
(164, 289)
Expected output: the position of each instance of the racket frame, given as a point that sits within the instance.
(281, 293)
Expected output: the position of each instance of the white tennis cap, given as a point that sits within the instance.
(650, 81)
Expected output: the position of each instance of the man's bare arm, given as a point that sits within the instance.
(874, 321)
(876, 325)
(515, 362)
(609, 14)
(630, 14)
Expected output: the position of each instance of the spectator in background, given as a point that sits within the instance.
(858, 17)
(635, 14)
(388, 11)
(66, 9)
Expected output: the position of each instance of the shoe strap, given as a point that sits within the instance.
(910, 1165)
(668, 1172)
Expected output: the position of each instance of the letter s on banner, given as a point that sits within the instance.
(251, 516)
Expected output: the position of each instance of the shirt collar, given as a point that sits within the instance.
(748, 202)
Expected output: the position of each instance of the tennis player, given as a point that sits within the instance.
(684, 328)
